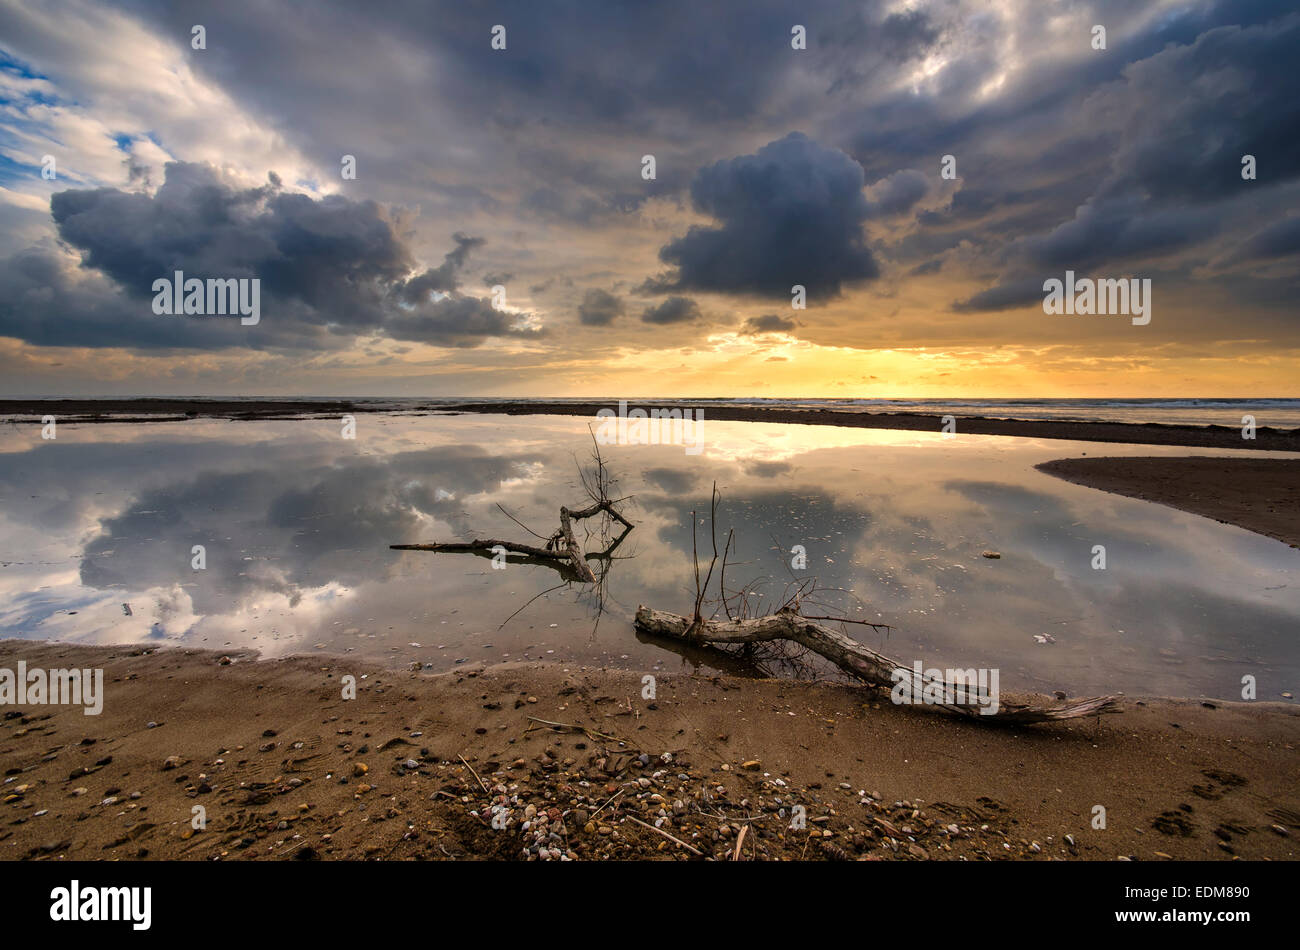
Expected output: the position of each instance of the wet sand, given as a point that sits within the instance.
(1261, 495)
(158, 410)
(286, 769)
(1145, 434)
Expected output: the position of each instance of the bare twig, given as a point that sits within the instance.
(740, 842)
(591, 733)
(561, 549)
(691, 848)
(475, 774)
(607, 801)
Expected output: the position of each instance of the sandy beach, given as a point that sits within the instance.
(1261, 495)
(285, 768)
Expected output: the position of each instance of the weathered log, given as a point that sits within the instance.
(512, 546)
(855, 659)
(562, 548)
(571, 546)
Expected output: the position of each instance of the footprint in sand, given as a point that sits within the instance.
(1223, 777)
(1172, 823)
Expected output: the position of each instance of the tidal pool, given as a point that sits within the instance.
(99, 528)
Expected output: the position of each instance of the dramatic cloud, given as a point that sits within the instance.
(898, 193)
(446, 277)
(1277, 240)
(790, 214)
(1190, 113)
(769, 323)
(673, 310)
(329, 264)
(1182, 122)
(523, 167)
(599, 308)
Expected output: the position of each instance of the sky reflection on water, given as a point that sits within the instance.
(297, 521)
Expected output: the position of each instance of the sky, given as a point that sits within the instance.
(612, 199)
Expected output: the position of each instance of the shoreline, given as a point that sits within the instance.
(409, 769)
(83, 411)
(1260, 495)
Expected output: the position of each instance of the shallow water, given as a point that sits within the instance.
(296, 523)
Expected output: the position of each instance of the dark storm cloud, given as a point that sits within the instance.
(1277, 240)
(1117, 230)
(446, 277)
(769, 323)
(672, 310)
(333, 253)
(1193, 111)
(38, 292)
(898, 193)
(454, 320)
(1008, 296)
(599, 308)
(329, 266)
(790, 214)
(1187, 115)
(630, 73)
(1066, 158)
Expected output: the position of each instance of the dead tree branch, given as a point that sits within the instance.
(855, 659)
(789, 625)
(562, 550)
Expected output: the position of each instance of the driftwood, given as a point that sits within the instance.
(855, 659)
(562, 550)
(562, 546)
